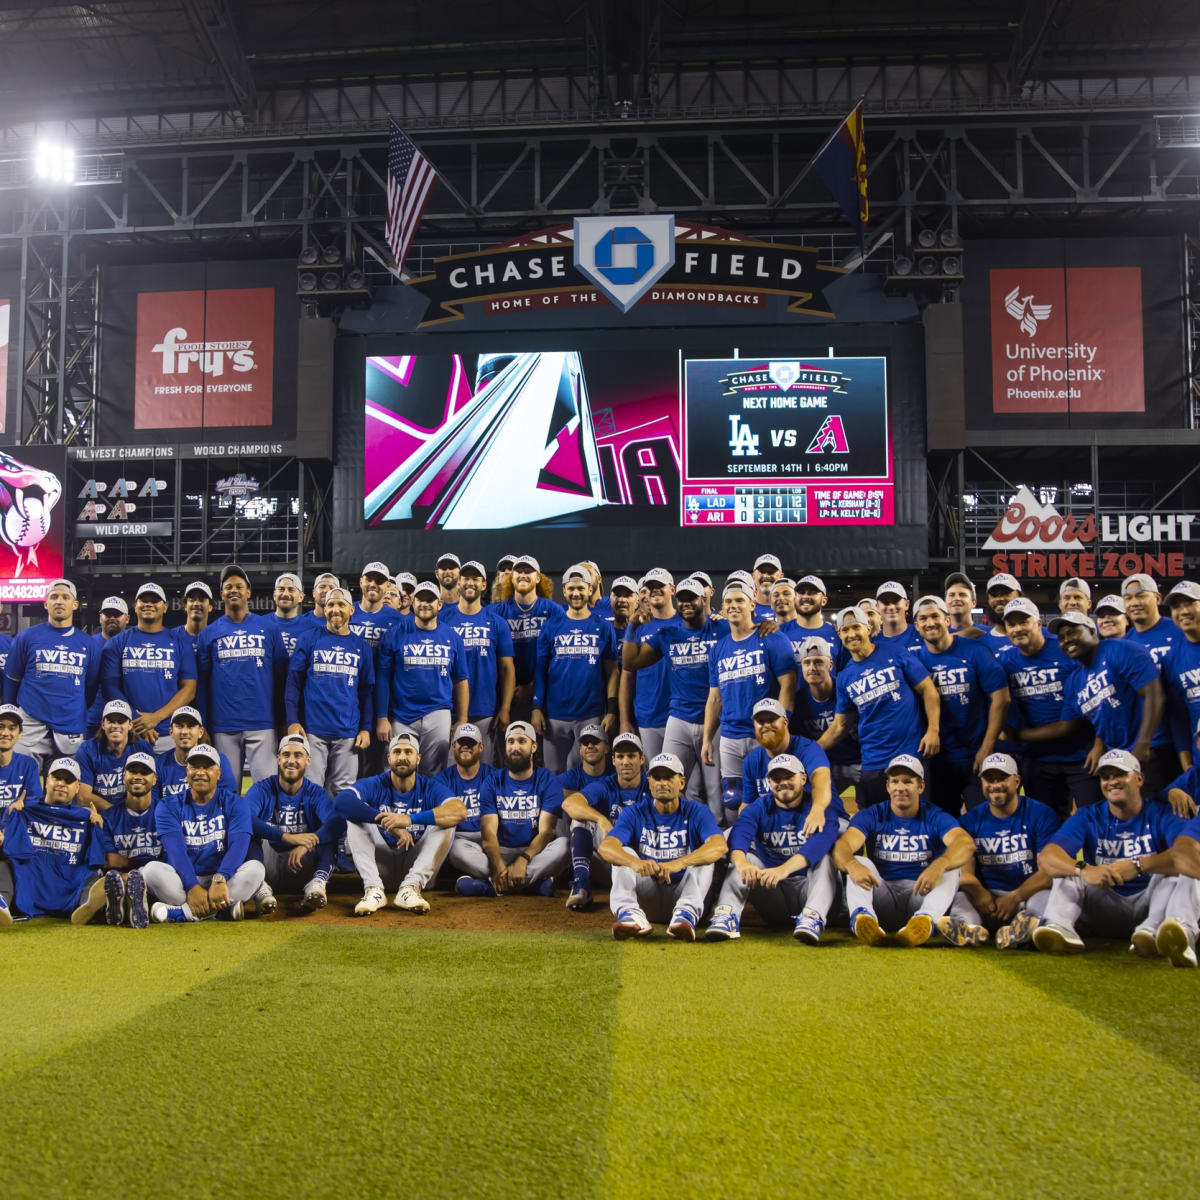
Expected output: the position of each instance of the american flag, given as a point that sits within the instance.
(409, 179)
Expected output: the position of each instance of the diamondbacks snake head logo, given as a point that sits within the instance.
(27, 499)
(1023, 310)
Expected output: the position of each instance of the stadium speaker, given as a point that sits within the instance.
(393, 310)
(314, 388)
(945, 393)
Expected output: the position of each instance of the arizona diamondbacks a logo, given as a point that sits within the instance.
(831, 436)
(1023, 310)
(624, 256)
(742, 442)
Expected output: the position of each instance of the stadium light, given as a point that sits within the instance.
(54, 163)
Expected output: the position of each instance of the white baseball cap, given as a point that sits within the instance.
(467, 732)
(1000, 762)
(13, 712)
(664, 762)
(1075, 585)
(1022, 606)
(769, 705)
(657, 575)
(186, 710)
(428, 587)
(376, 568)
(65, 764)
(786, 762)
(577, 572)
(1138, 583)
(289, 577)
(1010, 583)
(704, 577)
(1121, 760)
(327, 575)
(768, 560)
(116, 604)
(339, 593)
(625, 582)
(523, 728)
(737, 588)
(117, 708)
(448, 558)
(783, 581)
(813, 581)
(958, 577)
(143, 760)
(406, 577)
(628, 739)
(744, 576)
(473, 567)
(891, 588)
(151, 589)
(1057, 621)
(906, 762)
(930, 601)
(1187, 590)
(816, 647)
(65, 584)
(206, 752)
(294, 739)
(854, 612)
(404, 737)
(691, 586)
(198, 585)
(593, 731)
(1109, 603)
(526, 560)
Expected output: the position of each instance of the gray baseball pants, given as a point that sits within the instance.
(892, 902)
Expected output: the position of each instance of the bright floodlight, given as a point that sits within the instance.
(54, 163)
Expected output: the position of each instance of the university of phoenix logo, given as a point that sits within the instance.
(1023, 310)
(624, 256)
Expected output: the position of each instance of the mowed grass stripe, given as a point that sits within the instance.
(763, 1068)
(63, 985)
(426, 1063)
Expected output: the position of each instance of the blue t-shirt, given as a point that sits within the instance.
(21, 775)
(652, 685)
(133, 835)
(96, 707)
(524, 626)
(172, 776)
(417, 670)
(685, 651)
(146, 669)
(1104, 839)
(291, 629)
(53, 675)
(569, 682)
(965, 676)
(5, 646)
(273, 812)
(1106, 692)
(331, 684)
(1181, 681)
(811, 717)
(519, 803)
(374, 627)
(1007, 848)
(1188, 782)
(774, 834)
(664, 837)
(103, 771)
(798, 634)
(55, 851)
(902, 847)
(366, 799)
(238, 662)
(881, 690)
(909, 640)
(608, 797)
(575, 779)
(746, 671)
(811, 756)
(486, 638)
(468, 791)
(1037, 684)
(1158, 641)
(202, 839)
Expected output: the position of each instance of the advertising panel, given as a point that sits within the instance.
(32, 521)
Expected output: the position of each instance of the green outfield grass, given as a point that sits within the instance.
(279, 1059)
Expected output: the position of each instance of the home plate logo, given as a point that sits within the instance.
(1027, 522)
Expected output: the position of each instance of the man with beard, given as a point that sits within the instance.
(491, 675)
(767, 569)
(519, 810)
(114, 619)
(399, 823)
(807, 617)
(895, 632)
(959, 594)
(446, 571)
(526, 611)
(330, 695)
(197, 608)
(287, 617)
(372, 619)
(622, 600)
(645, 696)
(1002, 590)
(464, 778)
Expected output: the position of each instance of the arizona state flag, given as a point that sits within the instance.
(842, 163)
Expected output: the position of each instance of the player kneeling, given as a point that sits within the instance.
(205, 835)
(129, 835)
(779, 860)
(913, 854)
(662, 852)
(399, 823)
(54, 850)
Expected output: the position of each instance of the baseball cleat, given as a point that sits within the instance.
(135, 893)
(373, 900)
(161, 913)
(1054, 939)
(683, 926)
(961, 933)
(865, 926)
(235, 912)
(314, 896)
(1142, 944)
(631, 922)
(93, 901)
(809, 927)
(916, 932)
(264, 901)
(1175, 943)
(1018, 931)
(544, 888)
(5, 915)
(114, 898)
(468, 885)
(409, 899)
(724, 925)
(580, 898)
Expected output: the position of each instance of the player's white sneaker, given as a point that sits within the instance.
(264, 901)
(161, 913)
(723, 926)
(1055, 939)
(1141, 943)
(5, 915)
(314, 896)
(409, 899)
(1175, 942)
(631, 922)
(373, 900)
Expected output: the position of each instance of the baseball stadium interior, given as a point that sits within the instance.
(585, 519)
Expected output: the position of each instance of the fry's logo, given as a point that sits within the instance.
(179, 355)
(1023, 310)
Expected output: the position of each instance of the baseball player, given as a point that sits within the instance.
(114, 619)
(465, 778)
(767, 569)
(912, 864)
(1181, 666)
(188, 732)
(102, 759)
(399, 823)
(372, 619)
(778, 860)
(1074, 595)
(151, 668)
(54, 852)
(519, 810)
(205, 835)
(521, 602)
(743, 667)
(1176, 938)
(6, 643)
(1005, 884)
(446, 571)
(322, 586)
(329, 698)
(662, 852)
(1002, 589)
(645, 695)
(816, 704)
(406, 581)
(575, 677)
(895, 632)
(874, 620)
(593, 764)
(959, 593)
(888, 689)
(129, 837)
(799, 609)
(293, 816)
(391, 595)
(243, 665)
(53, 672)
(621, 602)
(491, 675)
(595, 807)
(421, 672)
(288, 616)
(18, 772)
(1110, 618)
(974, 703)
(1124, 885)
(197, 608)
